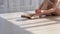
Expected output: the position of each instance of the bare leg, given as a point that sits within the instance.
(57, 12)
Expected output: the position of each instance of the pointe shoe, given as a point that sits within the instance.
(30, 16)
(26, 16)
(35, 17)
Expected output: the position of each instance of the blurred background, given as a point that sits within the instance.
(7, 6)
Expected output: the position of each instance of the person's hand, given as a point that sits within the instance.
(38, 11)
(41, 12)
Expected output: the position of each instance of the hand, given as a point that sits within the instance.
(38, 11)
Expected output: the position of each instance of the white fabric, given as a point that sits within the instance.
(42, 11)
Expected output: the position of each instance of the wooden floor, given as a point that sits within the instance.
(12, 23)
